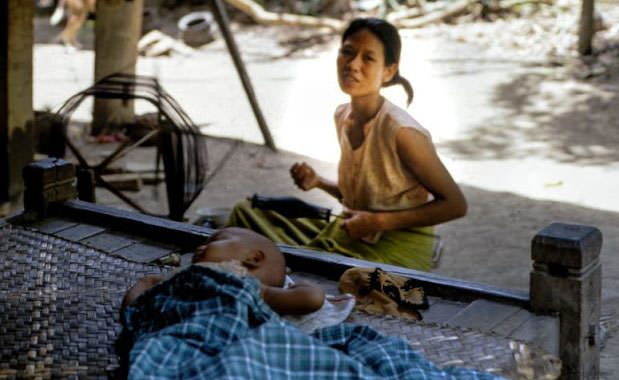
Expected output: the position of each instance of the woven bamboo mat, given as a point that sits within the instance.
(59, 317)
(451, 346)
(59, 306)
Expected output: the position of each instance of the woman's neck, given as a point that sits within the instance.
(363, 108)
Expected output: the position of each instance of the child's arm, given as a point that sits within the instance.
(140, 287)
(300, 299)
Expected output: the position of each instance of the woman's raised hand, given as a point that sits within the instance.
(304, 176)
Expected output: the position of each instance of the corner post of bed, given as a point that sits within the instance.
(46, 182)
(566, 279)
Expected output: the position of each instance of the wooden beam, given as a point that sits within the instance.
(165, 230)
(117, 32)
(332, 265)
(222, 20)
(586, 28)
(16, 116)
(567, 279)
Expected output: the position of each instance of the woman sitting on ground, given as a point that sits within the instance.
(391, 181)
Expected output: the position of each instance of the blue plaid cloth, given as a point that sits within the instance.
(207, 324)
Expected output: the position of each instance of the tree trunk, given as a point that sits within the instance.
(451, 10)
(262, 16)
(585, 33)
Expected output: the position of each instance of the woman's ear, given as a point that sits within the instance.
(389, 72)
(254, 259)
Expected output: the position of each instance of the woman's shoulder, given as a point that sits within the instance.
(397, 118)
(341, 110)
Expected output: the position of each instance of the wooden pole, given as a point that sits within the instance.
(16, 116)
(586, 27)
(567, 279)
(221, 17)
(117, 32)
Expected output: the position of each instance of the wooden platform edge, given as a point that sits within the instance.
(332, 266)
(184, 235)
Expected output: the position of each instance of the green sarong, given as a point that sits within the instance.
(405, 248)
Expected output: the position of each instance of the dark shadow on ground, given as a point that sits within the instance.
(586, 134)
(491, 244)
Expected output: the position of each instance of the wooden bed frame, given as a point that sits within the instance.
(565, 280)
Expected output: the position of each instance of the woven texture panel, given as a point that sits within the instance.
(59, 306)
(451, 346)
(59, 317)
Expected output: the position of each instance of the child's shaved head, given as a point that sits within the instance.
(258, 254)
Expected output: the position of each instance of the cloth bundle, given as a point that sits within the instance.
(378, 292)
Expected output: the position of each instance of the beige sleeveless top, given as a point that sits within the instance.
(372, 177)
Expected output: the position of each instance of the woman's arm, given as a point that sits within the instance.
(418, 154)
(300, 299)
(306, 178)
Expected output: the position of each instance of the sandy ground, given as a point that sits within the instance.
(528, 141)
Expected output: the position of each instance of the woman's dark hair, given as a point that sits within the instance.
(392, 45)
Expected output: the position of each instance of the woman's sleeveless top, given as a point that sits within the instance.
(372, 177)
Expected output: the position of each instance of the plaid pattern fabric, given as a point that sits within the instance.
(206, 324)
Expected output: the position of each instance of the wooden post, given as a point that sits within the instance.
(117, 32)
(222, 20)
(47, 181)
(86, 184)
(586, 27)
(16, 116)
(566, 278)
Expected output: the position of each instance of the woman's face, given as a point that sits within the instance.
(361, 64)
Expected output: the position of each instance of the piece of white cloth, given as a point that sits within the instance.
(334, 310)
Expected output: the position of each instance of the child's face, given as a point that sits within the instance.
(361, 64)
(223, 245)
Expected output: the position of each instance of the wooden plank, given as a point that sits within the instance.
(541, 330)
(80, 232)
(143, 252)
(441, 311)
(185, 236)
(333, 265)
(109, 241)
(124, 181)
(53, 225)
(482, 315)
(512, 322)
(433, 299)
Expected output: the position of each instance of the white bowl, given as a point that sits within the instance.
(216, 215)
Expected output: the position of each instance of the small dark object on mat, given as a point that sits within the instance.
(382, 293)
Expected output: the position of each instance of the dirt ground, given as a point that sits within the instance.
(527, 129)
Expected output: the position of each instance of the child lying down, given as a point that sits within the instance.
(245, 252)
(220, 319)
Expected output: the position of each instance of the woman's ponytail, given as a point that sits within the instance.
(408, 88)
